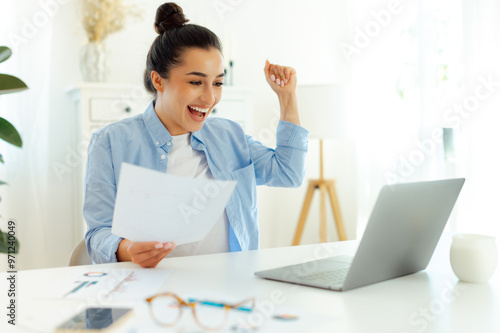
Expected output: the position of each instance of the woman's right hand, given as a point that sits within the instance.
(146, 254)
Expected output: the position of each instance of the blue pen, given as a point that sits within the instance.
(77, 288)
(91, 283)
(217, 304)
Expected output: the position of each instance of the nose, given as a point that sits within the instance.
(208, 96)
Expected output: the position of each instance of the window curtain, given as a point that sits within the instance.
(459, 78)
(481, 117)
(27, 31)
(422, 69)
(383, 100)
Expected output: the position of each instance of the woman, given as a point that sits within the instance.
(184, 72)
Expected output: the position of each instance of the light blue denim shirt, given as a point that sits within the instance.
(231, 155)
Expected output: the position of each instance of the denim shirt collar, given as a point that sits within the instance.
(159, 133)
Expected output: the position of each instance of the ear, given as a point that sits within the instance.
(158, 81)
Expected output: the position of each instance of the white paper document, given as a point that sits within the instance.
(154, 206)
(101, 284)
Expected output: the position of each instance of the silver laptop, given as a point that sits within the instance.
(400, 237)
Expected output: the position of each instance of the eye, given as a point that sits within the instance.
(196, 83)
(218, 84)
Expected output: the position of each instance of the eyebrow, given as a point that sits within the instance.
(203, 75)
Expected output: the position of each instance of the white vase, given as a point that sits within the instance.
(93, 62)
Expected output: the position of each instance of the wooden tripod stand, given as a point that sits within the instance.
(323, 185)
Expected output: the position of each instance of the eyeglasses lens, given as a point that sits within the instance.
(166, 310)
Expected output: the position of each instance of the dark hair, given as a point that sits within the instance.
(175, 36)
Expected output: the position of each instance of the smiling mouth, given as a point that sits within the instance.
(198, 113)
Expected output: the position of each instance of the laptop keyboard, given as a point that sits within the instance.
(328, 277)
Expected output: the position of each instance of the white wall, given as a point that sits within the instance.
(286, 32)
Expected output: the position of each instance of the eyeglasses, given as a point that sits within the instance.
(166, 310)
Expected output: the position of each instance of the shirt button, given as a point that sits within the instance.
(163, 157)
(169, 143)
(157, 143)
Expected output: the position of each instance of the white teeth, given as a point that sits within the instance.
(199, 109)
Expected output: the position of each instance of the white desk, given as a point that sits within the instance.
(428, 301)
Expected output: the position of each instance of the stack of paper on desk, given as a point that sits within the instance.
(154, 206)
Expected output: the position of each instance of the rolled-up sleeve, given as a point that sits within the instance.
(99, 200)
(285, 165)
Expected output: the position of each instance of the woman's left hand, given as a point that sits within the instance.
(282, 79)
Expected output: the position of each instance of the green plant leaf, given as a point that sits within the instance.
(9, 133)
(5, 53)
(4, 244)
(10, 84)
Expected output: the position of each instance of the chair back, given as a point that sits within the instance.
(79, 255)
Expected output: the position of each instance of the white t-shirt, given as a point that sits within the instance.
(185, 161)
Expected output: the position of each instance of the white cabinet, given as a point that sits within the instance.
(98, 104)
(236, 105)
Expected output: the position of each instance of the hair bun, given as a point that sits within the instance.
(169, 16)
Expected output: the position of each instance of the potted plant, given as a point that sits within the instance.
(8, 133)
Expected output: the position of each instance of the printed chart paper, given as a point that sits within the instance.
(113, 283)
(154, 206)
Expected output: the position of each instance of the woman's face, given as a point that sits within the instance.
(192, 90)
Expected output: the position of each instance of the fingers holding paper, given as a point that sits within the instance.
(149, 254)
(145, 254)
